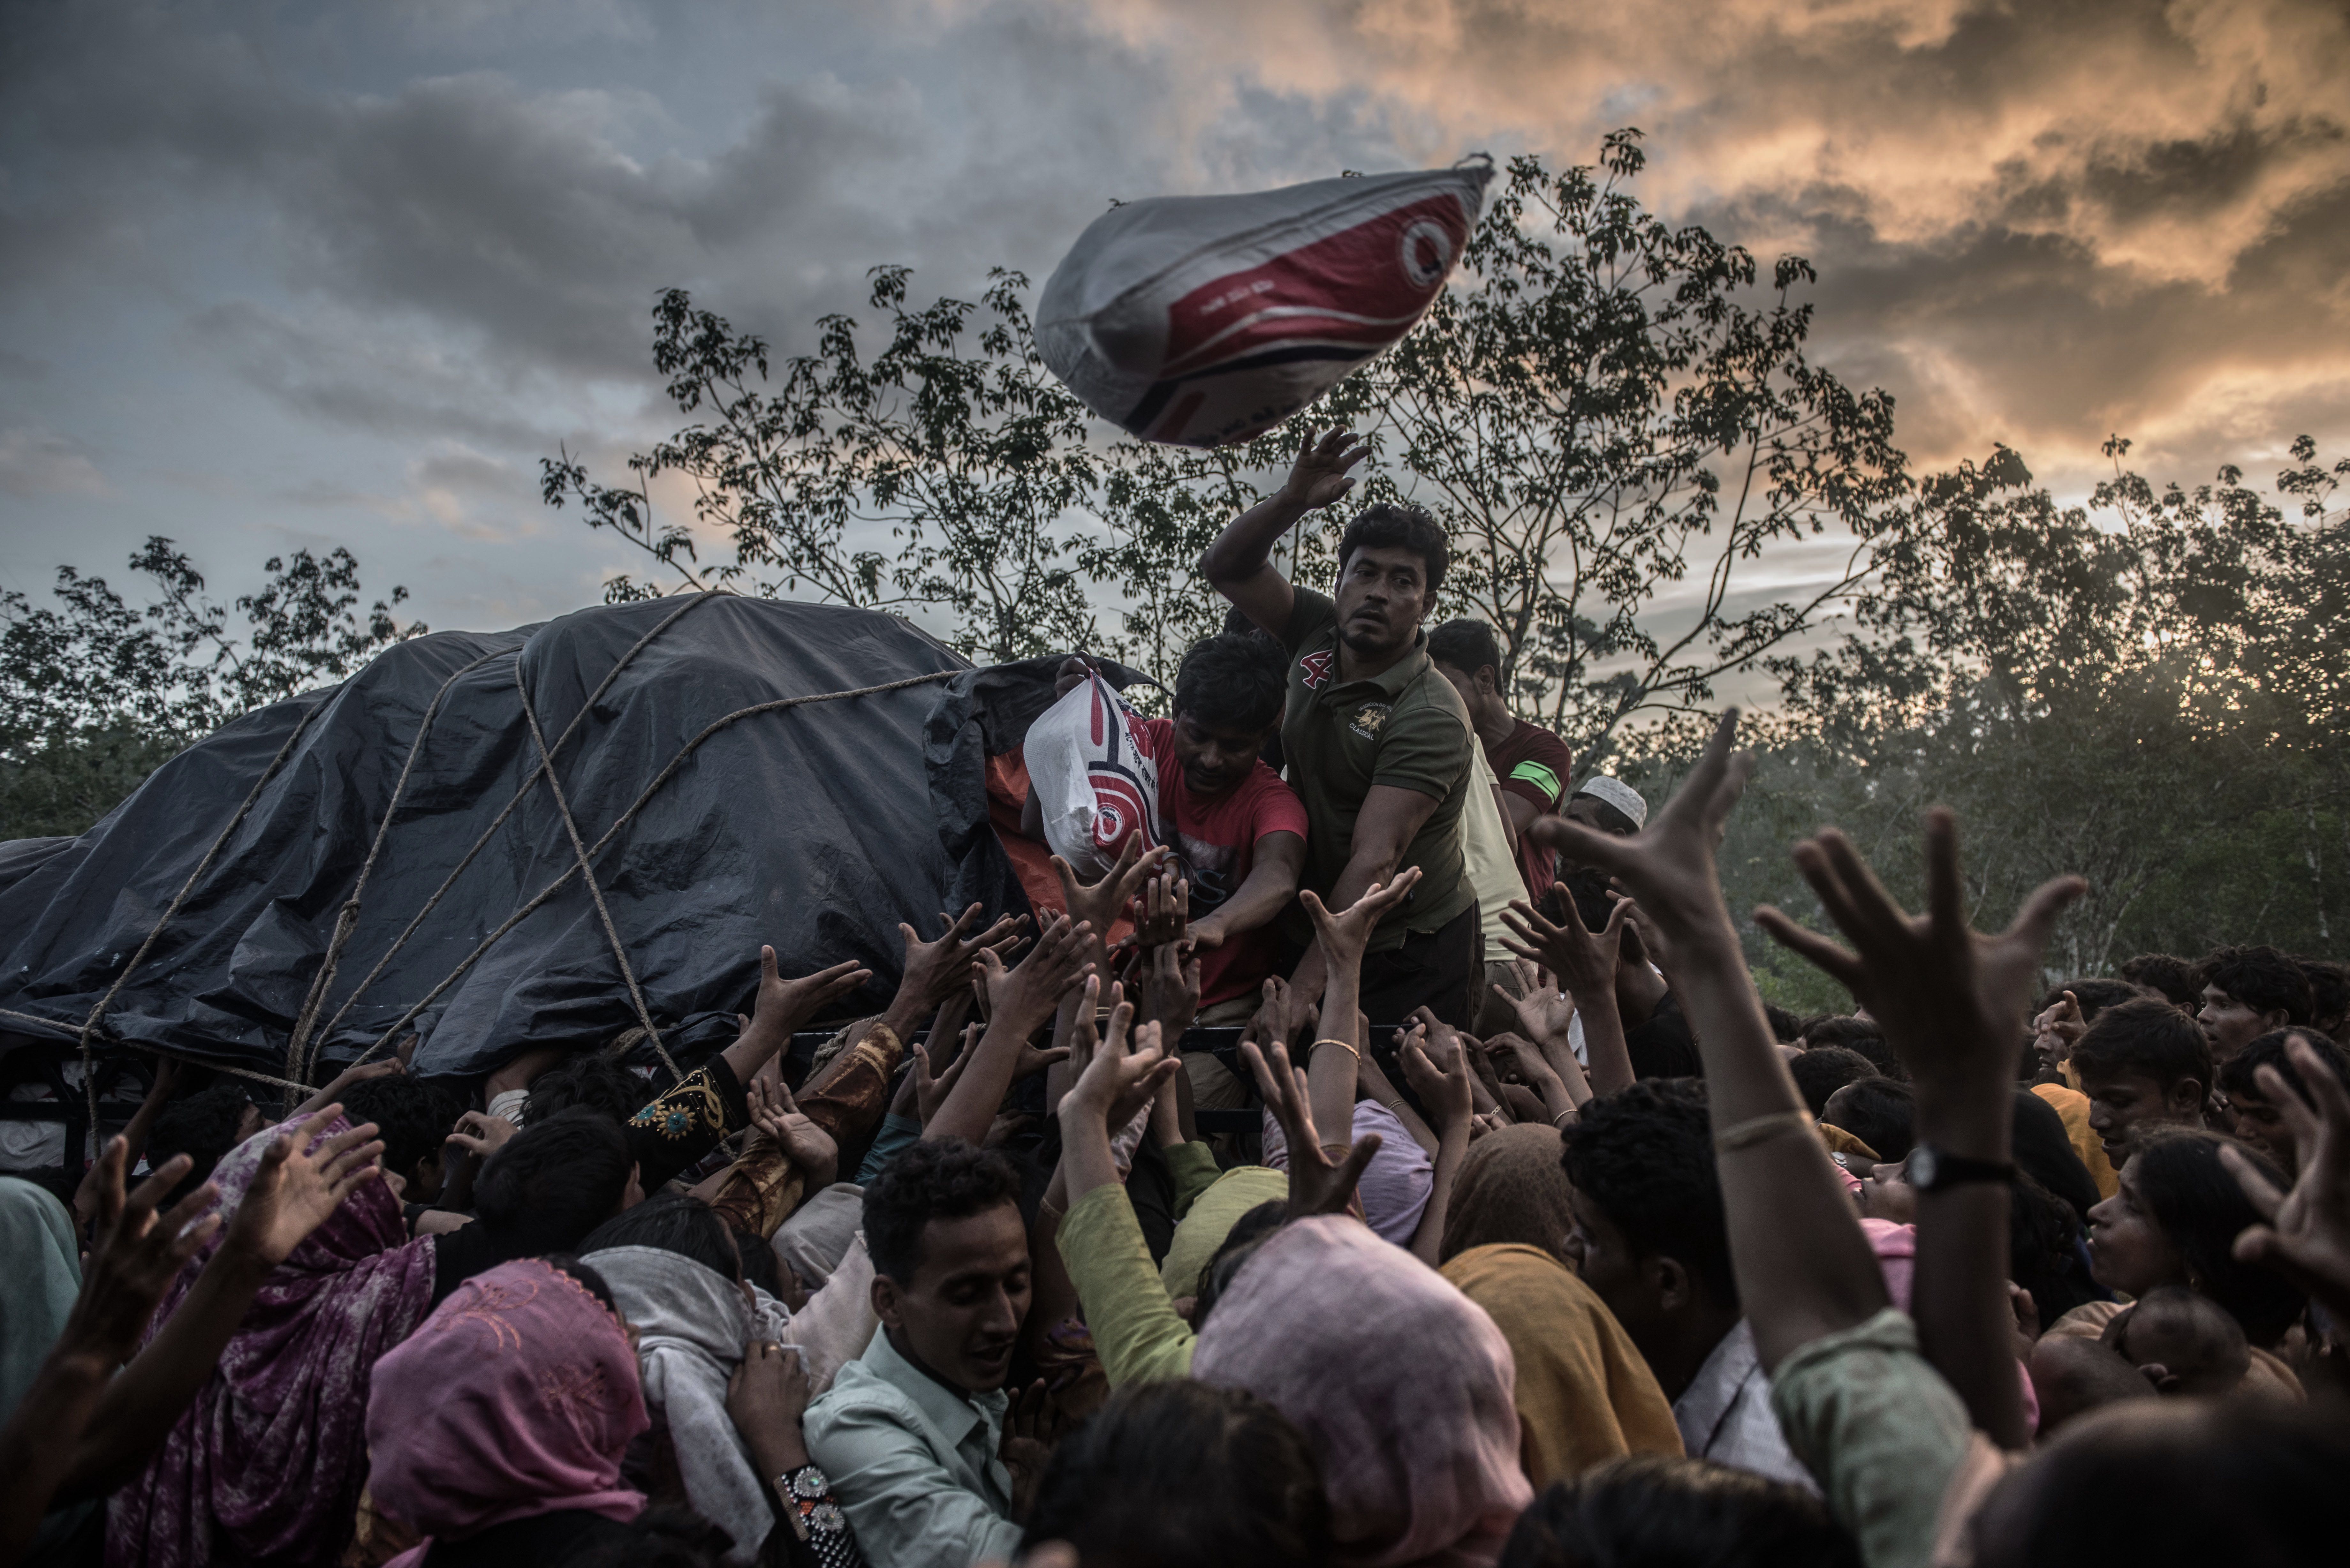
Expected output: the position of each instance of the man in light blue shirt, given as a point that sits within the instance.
(910, 1434)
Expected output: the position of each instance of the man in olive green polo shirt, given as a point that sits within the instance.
(1377, 742)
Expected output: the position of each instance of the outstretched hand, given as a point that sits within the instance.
(936, 971)
(1544, 1007)
(1164, 915)
(1951, 999)
(1121, 1075)
(931, 1090)
(1282, 1016)
(137, 1255)
(480, 1133)
(1169, 987)
(1440, 1076)
(2307, 1234)
(1345, 935)
(777, 1116)
(1099, 905)
(297, 1188)
(1668, 866)
(785, 1004)
(1319, 477)
(1023, 996)
(1317, 1185)
(1584, 961)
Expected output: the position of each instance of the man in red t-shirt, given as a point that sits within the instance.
(1238, 832)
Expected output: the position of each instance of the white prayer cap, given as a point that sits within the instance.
(1617, 793)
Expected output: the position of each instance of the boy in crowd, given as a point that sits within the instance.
(1238, 832)
(2252, 1115)
(1377, 743)
(1651, 1241)
(2246, 992)
(2329, 997)
(2144, 1063)
(913, 1434)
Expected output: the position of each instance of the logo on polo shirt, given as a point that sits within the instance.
(1317, 667)
(1369, 719)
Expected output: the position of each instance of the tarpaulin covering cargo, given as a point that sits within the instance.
(813, 826)
(1203, 320)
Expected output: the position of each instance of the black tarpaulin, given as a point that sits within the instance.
(815, 829)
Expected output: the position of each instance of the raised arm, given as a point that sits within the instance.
(1334, 1058)
(1239, 564)
(1585, 962)
(1442, 1086)
(135, 1134)
(294, 1192)
(1020, 1001)
(1264, 893)
(1952, 1002)
(136, 1256)
(1391, 817)
(1804, 1269)
(783, 1006)
(2307, 1236)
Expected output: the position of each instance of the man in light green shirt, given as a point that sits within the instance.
(911, 1434)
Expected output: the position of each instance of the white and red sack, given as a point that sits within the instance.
(1095, 785)
(1203, 320)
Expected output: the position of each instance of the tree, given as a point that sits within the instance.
(95, 691)
(2134, 689)
(1600, 420)
(1597, 413)
(952, 442)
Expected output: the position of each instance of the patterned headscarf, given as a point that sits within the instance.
(1398, 1381)
(268, 1462)
(517, 1397)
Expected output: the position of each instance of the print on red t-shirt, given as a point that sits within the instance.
(1216, 842)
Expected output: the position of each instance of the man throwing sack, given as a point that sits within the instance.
(1377, 741)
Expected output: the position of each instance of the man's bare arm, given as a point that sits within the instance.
(1270, 883)
(1390, 819)
(1240, 563)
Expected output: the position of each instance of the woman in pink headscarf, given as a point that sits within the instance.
(1401, 1384)
(497, 1429)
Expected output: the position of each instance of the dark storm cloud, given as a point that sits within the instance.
(429, 232)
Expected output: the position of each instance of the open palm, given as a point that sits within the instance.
(297, 1186)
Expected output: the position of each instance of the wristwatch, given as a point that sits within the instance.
(1929, 1169)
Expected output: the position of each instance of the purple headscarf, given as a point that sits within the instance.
(1395, 1186)
(266, 1466)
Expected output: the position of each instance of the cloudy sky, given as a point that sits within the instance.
(281, 274)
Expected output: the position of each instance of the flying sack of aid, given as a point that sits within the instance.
(1204, 320)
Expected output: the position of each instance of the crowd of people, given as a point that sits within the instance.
(1522, 1231)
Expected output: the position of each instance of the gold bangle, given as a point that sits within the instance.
(1759, 1129)
(1342, 1045)
(1560, 1120)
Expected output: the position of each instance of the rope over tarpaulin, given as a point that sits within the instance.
(307, 1039)
(622, 821)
